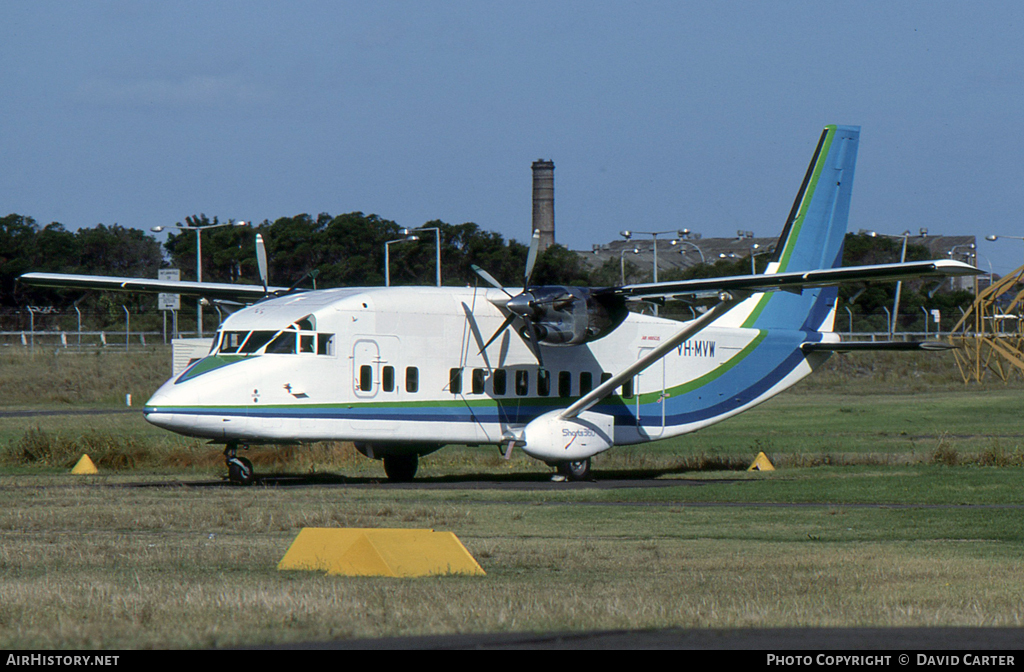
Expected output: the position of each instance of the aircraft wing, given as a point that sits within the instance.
(733, 289)
(728, 301)
(208, 290)
(799, 280)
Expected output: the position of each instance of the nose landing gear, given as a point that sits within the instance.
(239, 468)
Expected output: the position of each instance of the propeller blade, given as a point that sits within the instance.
(261, 261)
(531, 258)
(502, 328)
(489, 278)
(534, 342)
(312, 274)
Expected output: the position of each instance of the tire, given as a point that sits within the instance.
(401, 468)
(240, 471)
(575, 471)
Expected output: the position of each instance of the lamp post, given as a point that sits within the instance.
(899, 283)
(968, 256)
(437, 247)
(699, 251)
(628, 235)
(622, 261)
(994, 238)
(199, 257)
(387, 256)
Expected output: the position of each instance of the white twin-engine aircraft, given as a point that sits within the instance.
(402, 371)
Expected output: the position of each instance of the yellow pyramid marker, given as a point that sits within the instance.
(85, 466)
(378, 552)
(761, 463)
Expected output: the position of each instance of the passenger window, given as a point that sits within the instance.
(499, 382)
(478, 381)
(605, 377)
(412, 379)
(586, 382)
(387, 379)
(564, 384)
(522, 382)
(543, 382)
(455, 381)
(627, 389)
(366, 378)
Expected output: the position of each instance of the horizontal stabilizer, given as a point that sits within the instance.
(859, 346)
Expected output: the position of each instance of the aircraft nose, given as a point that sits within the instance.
(168, 403)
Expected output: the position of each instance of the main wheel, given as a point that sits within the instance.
(575, 471)
(240, 471)
(401, 468)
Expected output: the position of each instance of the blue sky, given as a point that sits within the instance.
(658, 115)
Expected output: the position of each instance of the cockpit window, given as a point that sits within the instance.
(232, 340)
(284, 344)
(325, 344)
(256, 340)
(297, 338)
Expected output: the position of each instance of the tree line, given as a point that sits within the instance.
(348, 250)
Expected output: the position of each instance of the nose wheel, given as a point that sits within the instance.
(239, 468)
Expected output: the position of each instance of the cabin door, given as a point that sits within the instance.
(365, 368)
(650, 397)
(374, 368)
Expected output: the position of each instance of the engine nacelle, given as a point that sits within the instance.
(552, 439)
(568, 315)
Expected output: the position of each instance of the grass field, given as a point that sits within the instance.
(897, 502)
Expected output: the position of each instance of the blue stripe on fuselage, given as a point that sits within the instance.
(769, 363)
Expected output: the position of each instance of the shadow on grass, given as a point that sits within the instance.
(602, 479)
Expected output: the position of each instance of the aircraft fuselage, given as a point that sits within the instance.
(394, 366)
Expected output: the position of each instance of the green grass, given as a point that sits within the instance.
(95, 563)
(896, 502)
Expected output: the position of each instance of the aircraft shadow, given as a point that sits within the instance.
(602, 479)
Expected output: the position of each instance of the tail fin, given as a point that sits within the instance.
(813, 235)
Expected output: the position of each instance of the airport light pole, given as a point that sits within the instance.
(387, 256)
(699, 251)
(994, 238)
(622, 261)
(899, 283)
(437, 247)
(199, 257)
(628, 235)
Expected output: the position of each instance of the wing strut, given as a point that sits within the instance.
(728, 301)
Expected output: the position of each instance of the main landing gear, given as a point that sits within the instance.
(574, 471)
(239, 468)
(401, 468)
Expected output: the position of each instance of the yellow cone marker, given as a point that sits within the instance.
(85, 466)
(378, 552)
(761, 463)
